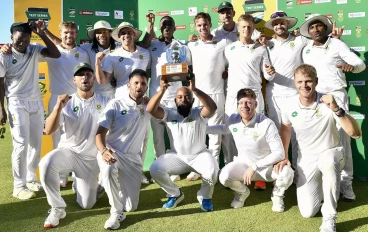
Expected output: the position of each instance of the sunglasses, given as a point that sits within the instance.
(278, 15)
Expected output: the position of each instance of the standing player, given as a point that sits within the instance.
(19, 84)
(209, 63)
(123, 60)
(320, 155)
(78, 115)
(260, 148)
(246, 61)
(332, 58)
(158, 50)
(187, 126)
(126, 121)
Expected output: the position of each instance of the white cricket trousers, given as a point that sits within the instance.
(158, 131)
(274, 107)
(342, 99)
(57, 135)
(26, 120)
(231, 107)
(319, 179)
(61, 161)
(214, 143)
(173, 164)
(232, 176)
(122, 181)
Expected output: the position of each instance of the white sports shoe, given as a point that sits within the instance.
(328, 225)
(55, 215)
(113, 223)
(144, 179)
(347, 192)
(35, 186)
(174, 178)
(23, 193)
(277, 204)
(239, 199)
(193, 176)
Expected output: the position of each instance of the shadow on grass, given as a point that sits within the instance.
(352, 224)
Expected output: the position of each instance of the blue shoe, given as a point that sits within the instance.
(206, 204)
(172, 202)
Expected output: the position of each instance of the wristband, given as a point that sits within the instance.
(103, 150)
(341, 113)
(338, 108)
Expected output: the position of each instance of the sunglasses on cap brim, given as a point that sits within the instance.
(278, 15)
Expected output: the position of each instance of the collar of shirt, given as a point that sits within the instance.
(14, 51)
(66, 50)
(85, 101)
(290, 36)
(312, 107)
(235, 30)
(251, 122)
(325, 46)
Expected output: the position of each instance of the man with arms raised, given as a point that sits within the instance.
(119, 139)
(314, 116)
(19, 84)
(187, 126)
(77, 115)
(259, 149)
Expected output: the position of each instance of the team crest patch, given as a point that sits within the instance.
(174, 122)
(294, 114)
(76, 55)
(292, 44)
(255, 135)
(223, 3)
(154, 49)
(123, 112)
(235, 129)
(214, 41)
(141, 57)
(98, 106)
(14, 61)
(121, 59)
(318, 113)
(75, 109)
(141, 111)
(307, 52)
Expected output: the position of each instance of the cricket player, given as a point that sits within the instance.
(209, 63)
(246, 60)
(320, 155)
(187, 125)
(332, 58)
(19, 84)
(78, 115)
(229, 29)
(259, 149)
(159, 51)
(123, 60)
(119, 139)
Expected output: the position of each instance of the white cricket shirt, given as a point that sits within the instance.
(258, 142)
(61, 69)
(315, 126)
(209, 63)
(324, 58)
(21, 73)
(158, 58)
(246, 61)
(127, 123)
(286, 56)
(79, 122)
(121, 63)
(189, 134)
(105, 89)
(219, 33)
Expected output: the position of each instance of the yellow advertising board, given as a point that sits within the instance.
(54, 9)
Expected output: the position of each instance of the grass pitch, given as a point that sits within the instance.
(16, 215)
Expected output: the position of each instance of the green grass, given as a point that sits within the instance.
(16, 215)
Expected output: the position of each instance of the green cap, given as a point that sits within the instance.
(81, 66)
(224, 5)
(25, 25)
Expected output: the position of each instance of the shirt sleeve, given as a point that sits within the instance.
(107, 117)
(107, 65)
(62, 117)
(266, 60)
(350, 57)
(3, 65)
(277, 150)
(284, 117)
(38, 49)
(166, 117)
(188, 56)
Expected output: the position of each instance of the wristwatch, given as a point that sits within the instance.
(340, 112)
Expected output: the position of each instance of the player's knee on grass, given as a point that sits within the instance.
(308, 212)
(87, 203)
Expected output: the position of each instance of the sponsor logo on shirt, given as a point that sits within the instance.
(154, 49)
(232, 48)
(235, 129)
(294, 114)
(141, 57)
(356, 15)
(356, 82)
(124, 112)
(76, 55)
(174, 122)
(76, 108)
(307, 52)
(121, 59)
(196, 44)
(14, 61)
(102, 13)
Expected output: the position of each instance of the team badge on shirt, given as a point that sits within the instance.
(235, 129)
(98, 106)
(307, 52)
(141, 111)
(196, 44)
(190, 120)
(154, 49)
(255, 135)
(75, 109)
(121, 59)
(76, 55)
(123, 112)
(14, 61)
(141, 57)
(292, 44)
(174, 122)
(294, 114)
(214, 41)
(318, 113)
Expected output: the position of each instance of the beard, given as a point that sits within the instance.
(184, 109)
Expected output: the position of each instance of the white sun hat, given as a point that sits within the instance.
(99, 25)
(122, 25)
(304, 29)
